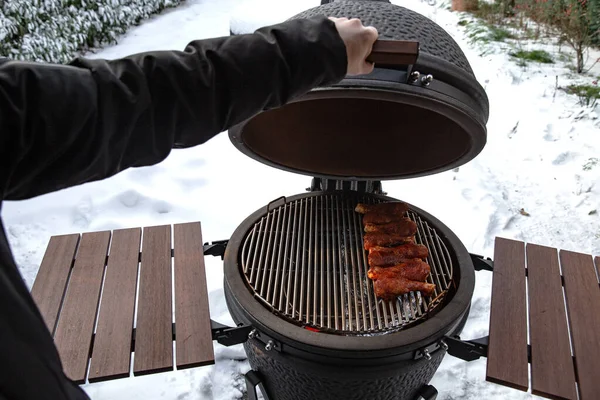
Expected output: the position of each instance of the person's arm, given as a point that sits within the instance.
(65, 125)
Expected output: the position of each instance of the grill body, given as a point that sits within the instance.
(299, 363)
(288, 377)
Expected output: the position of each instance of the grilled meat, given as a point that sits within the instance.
(378, 218)
(394, 207)
(376, 239)
(415, 270)
(381, 256)
(390, 288)
(404, 227)
(395, 260)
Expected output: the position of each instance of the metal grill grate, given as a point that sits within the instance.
(305, 261)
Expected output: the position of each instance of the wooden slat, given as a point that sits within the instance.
(51, 280)
(552, 373)
(78, 315)
(192, 315)
(507, 352)
(154, 332)
(583, 305)
(598, 267)
(111, 356)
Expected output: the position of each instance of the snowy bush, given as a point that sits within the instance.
(56, 30)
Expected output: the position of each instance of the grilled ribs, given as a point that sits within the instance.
(378, 218)
(404, 227)
(382, 256)
(415, 270)
(377, 239)
(396, 262)
(390, 288)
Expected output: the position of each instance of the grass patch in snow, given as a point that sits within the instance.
(541, 56)
(590, 163)
(483, 34)
(588, 96)
(499, 34)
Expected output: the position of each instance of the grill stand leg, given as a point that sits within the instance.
(253, 381)
(428, 392)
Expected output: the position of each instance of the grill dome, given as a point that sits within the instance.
(383, 125)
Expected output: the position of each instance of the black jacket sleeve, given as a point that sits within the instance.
(63, 125)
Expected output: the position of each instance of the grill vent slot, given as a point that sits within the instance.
(304, 260)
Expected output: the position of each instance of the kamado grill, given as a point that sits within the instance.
(296, 270)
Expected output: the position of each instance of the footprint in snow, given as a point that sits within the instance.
(130, 198)
(549, 136)
(162, 207)
(467, 194)
(564, 158)
(83, 213)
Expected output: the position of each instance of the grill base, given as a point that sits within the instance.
(287, 377)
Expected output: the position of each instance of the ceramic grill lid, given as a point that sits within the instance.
(420, 112)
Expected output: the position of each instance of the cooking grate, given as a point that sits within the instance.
(305, 261)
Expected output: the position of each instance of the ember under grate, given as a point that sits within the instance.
(305, 261)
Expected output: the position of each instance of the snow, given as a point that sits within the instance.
(539, 140)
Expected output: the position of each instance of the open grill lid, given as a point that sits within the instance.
(413, 116)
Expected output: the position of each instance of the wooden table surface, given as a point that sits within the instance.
(106, 296)
(558, 294)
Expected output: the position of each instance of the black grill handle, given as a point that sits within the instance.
(482, 263)
(254, 381)
(275, 201)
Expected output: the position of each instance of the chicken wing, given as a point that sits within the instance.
(404, 227)
(415, 270)
(389, 289)
(393, 207)
(381, 256)
(376, 239)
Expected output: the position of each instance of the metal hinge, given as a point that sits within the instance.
(216, 248)
(482, 263)
(321, 185)
(229, 336)
(467, 350)
(223, 334)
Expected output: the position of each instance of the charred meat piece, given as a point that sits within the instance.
(404, 227)
(389, 289)
(382, 256)
(415, 270)
(376, 239)
(378, 218)
(393, 207)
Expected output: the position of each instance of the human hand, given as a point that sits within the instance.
(359, 43)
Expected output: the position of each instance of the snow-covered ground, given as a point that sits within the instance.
(539, 158)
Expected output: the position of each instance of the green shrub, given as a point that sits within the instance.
(500, 34)
(590, 163)
(588, 95)
(56, 30)
(541, 56)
